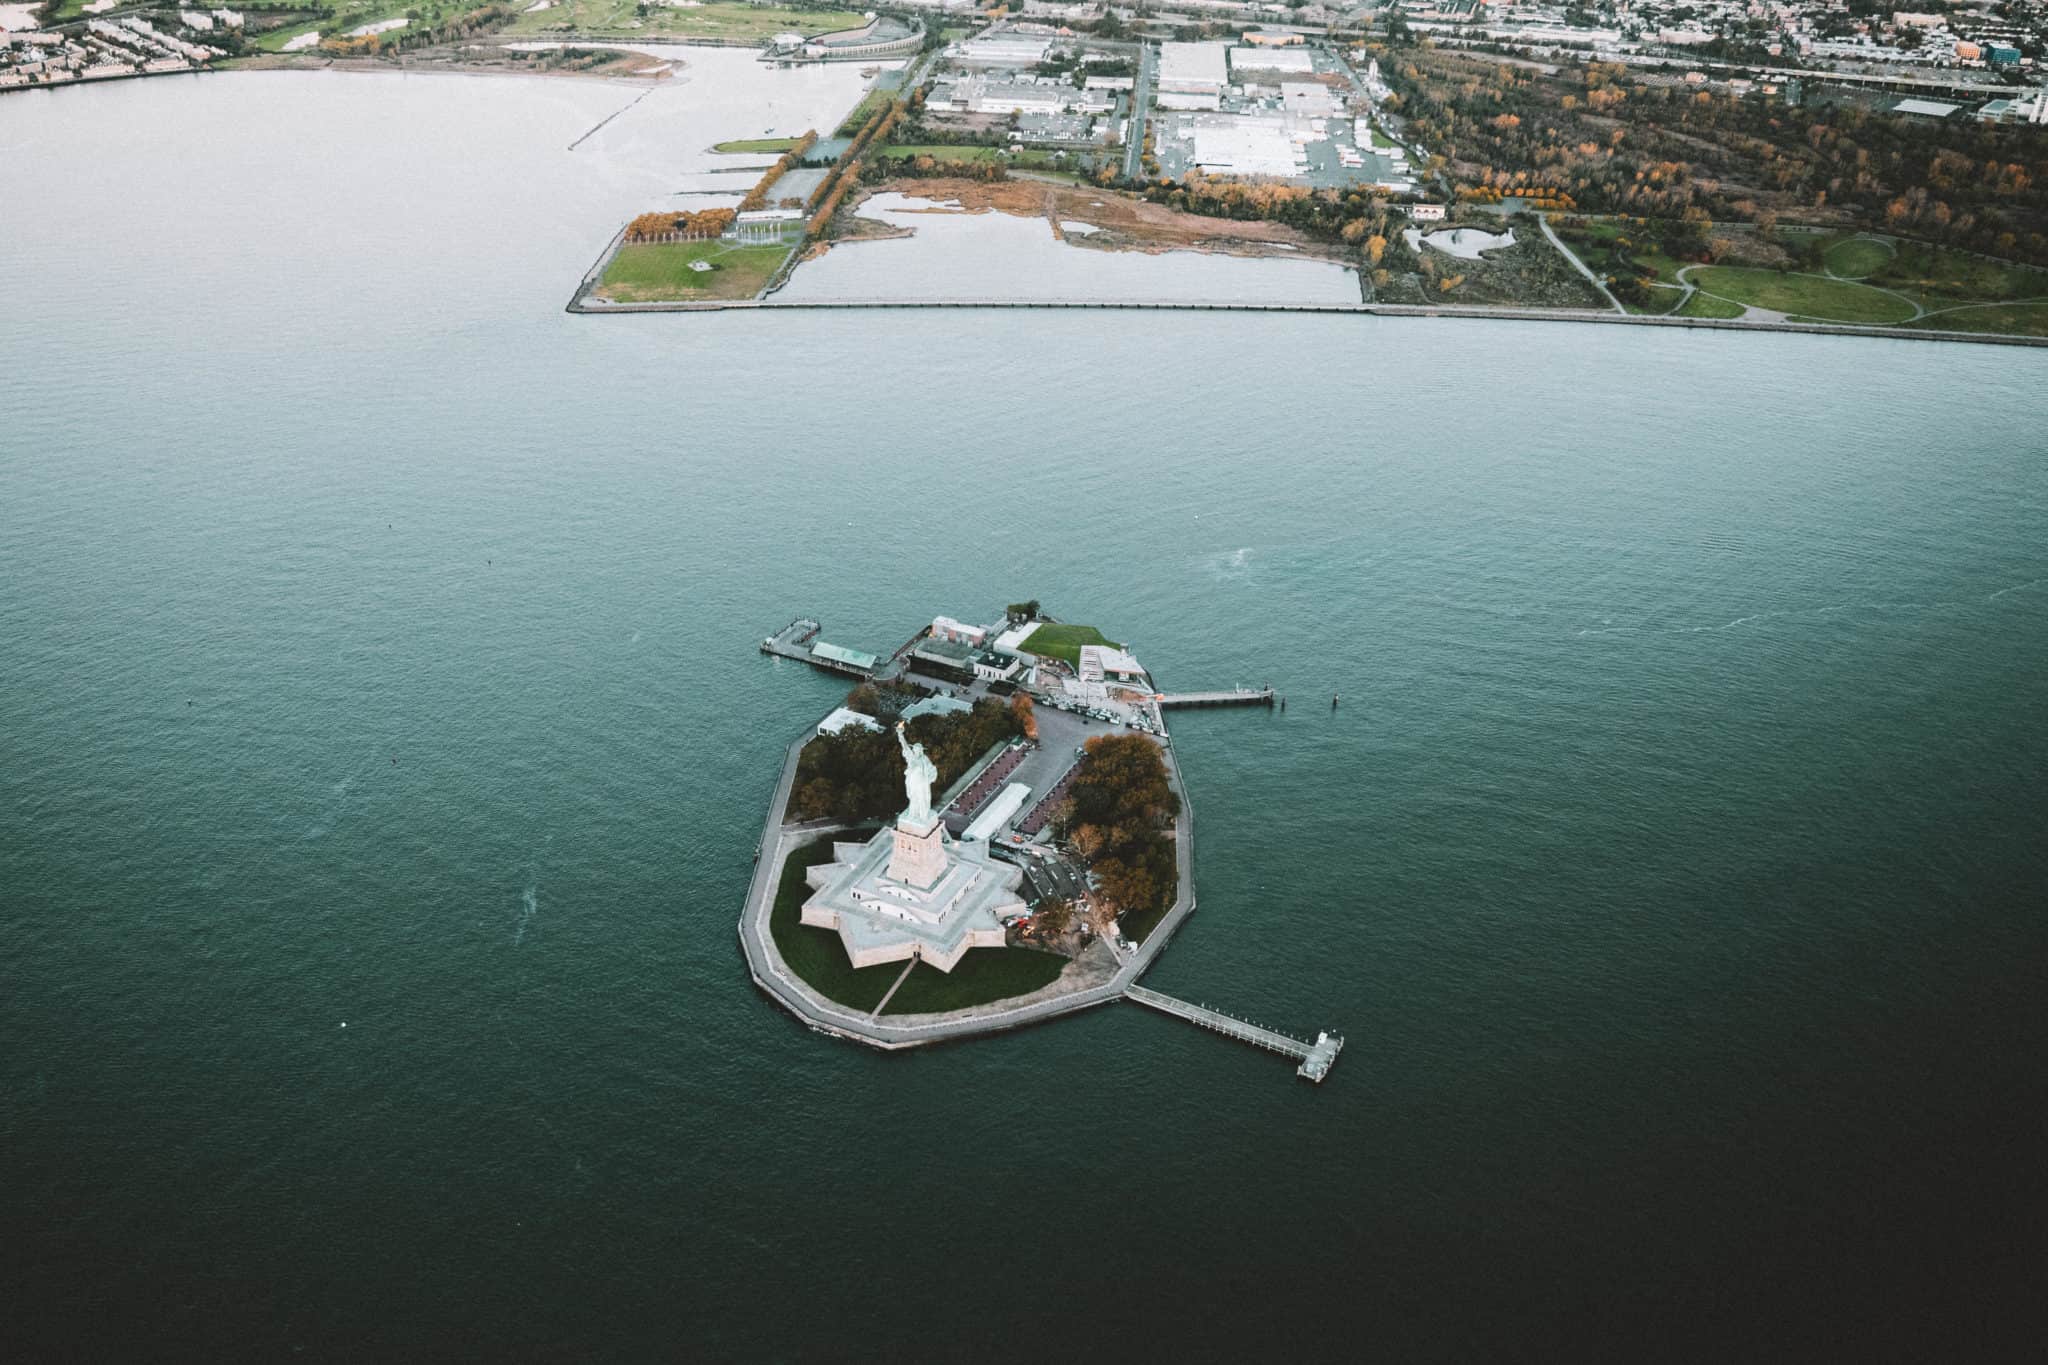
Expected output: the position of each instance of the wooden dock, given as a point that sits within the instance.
(1316, 1058)
(1236, 696)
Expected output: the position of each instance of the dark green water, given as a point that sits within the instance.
(376, 646)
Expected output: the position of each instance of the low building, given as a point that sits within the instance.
(846, 717)
(1426, 213)
(990, 666)
(1100, 663)
(1934, 109)
(944, 653)
(1298, 61)
(935, 705)
(845, 658)
(999, 812)
(959, 632)
(1193, 68)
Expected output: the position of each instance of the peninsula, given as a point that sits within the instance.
(993, 830)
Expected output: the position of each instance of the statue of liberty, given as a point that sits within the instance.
(918, 775)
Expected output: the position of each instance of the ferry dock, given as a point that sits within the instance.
(1235, 696)
(799, 640)
(1316, 1058)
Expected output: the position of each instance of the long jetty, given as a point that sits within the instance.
(1316, 1058)
(1236, 696)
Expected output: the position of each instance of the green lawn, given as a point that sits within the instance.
(714, 19)
(659, 272)
(1855, 258)
(2009, 319)
(1064, 642)
(816, 954)
(984, 975)
(1803, 296)
(756, 144)
(1700, 306)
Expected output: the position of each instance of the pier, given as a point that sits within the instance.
(1236, 696)
(799, 640)
(1316, 1058)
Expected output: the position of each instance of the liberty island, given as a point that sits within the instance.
(1014, 904)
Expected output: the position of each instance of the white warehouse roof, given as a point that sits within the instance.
(1193, 68)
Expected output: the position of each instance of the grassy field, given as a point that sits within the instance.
(2008, 319)
(1803, 296)
(1701, 306)
(815, 954)
(1064, 642)
(984, 975)
(766, 145)
(659, 272)
(1855, 258)
(724, 19)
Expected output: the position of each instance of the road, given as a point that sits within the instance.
(1141, 102)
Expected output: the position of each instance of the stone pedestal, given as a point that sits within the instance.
(919, 858)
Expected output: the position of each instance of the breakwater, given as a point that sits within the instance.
(1387, 310)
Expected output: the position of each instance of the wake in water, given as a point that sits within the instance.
(2017, 587)
(1804, 613)
(529, 905)
(338, 805)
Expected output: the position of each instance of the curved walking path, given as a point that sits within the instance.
(1063, 996)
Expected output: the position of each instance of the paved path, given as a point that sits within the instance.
(1543, 221)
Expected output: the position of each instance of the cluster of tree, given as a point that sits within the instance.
(1608, 140)
(1116, 821)
(925, 166)
(669, 225)
(482, 19)
(857, 774)
(1355, 216)
(1027, 715)
(757, 197)
(1022, 611)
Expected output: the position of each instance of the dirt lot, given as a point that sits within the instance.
(1123, 222)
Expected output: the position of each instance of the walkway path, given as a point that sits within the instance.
(1543, 221)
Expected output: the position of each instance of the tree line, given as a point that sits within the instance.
(670, 225)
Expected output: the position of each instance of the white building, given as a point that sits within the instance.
(1193, 68)
(1101, 662)
(844, 717)
(1295, 61)
(1008, 50)
(959, 632)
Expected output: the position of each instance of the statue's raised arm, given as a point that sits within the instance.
(919, 773)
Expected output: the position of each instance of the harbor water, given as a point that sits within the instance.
(385, 743)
